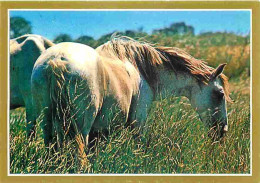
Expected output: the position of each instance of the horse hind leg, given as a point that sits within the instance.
(41, 104)
(30, 119)
(83, 112)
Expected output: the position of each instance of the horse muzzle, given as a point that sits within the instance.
(223, 131)
(225, 128)
(217, 132)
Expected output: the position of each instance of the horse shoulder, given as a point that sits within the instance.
(141, 103)
(116, 92)
(123, 82)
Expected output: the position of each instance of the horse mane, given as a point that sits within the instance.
(181, 61)
(146, 58)
(141, 54)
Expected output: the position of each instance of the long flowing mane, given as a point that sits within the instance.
(147, 58)
(141, 54)
(180, 61)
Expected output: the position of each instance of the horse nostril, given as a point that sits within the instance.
(225, 129)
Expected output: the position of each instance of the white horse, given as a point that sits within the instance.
(24, 51)
(79, 88)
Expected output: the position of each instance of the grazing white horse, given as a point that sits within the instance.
(82, 89)
(24, 52)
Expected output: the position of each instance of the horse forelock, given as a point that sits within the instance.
(180, 61)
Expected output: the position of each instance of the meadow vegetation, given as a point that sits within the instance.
(175, 140)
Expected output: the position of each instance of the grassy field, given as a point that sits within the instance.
(175, 141)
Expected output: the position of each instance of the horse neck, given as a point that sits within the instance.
(174, 84)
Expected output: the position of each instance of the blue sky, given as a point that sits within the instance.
(97, 23)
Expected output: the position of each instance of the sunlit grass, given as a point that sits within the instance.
(175, 141)
(213, 48)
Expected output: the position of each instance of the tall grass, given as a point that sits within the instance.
(175, 141)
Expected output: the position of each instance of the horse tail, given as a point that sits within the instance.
(64, 106)
(57, 71)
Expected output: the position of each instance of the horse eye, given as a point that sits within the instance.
(219, 94)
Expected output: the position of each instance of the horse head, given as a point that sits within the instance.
(210, 102)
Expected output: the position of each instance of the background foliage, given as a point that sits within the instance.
(175, 140)
(19, 26)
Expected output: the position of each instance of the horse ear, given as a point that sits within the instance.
(217, 71)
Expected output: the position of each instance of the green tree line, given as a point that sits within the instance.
(173, 35)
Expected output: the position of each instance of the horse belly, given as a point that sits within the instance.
(110, 115)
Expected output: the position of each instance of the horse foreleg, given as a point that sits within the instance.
(140, 107)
